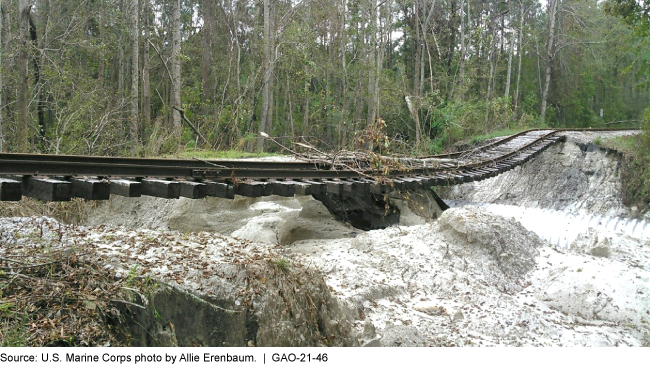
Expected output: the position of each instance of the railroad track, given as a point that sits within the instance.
(62, 177)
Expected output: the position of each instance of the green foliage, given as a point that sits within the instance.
(283, 265)
(494, 134)
(598, 141)
(133, 272)
(223, 154)
(321, 81)
(456, 121)
(635, 171)
(14, 336)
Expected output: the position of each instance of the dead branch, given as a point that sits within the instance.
(182, 112)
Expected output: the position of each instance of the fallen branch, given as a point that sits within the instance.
(185, 292)
(624, 121)
(182, 112)
(27, 266)
(128, 303)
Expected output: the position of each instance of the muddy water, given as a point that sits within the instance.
(561, 227)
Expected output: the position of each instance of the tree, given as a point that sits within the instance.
(22, 127)
(433, 70)
(135, 66)
(267, 96)
(636, 14)
(2, 135)
(550, 52)
(176, 68)
(146, 71)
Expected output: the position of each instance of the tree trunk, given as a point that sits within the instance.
(38, 84)
(176, 69)
(305, 109)
(552, 15)
(102, 40)
(510, 54)
(418, 49)
(251, 84)
(121, 61)
(206, 61)
(344, 67)
(519, 55)
(22, 127)
(372, 66)
(2, 135)
(146, 71)
(461, 62)
(491, 50)
(135, 46)
(265, 122)
(416, 118)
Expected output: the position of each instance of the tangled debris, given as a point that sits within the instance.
(101, 286)
(53, 295)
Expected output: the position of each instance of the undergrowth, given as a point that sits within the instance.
(211, 154)
(494, 134)
(71, 212)
(635, 168)
(56, 298)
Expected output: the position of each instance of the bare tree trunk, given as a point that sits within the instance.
(146, 71)
(22, 127)
(372, 66)
(520, 53)
(120, 62)
(512, 50)
(252, 83)
(38, 82)
(176, 69)
(491, 50)
(102, 39)
(305, 109)
(424, 28)
(418, 49)
(382, 30)
(206, 62)
(267, 101)
(135, 46)
(552, 15)
(461, 63)
(416, 117)
(2, 135)
(344, 67)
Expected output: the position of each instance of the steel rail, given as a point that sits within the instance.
(70, 168)
(66, 165)
(511, 137)
(51, 168)
(163, 162)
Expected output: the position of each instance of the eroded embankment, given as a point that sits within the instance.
(473, 278)
(574, 176)
(198, 289)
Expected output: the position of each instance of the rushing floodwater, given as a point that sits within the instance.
(562, 227)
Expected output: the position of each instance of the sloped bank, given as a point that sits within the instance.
(472, 278)
(199, 289)
(272, 219)
(575, 176)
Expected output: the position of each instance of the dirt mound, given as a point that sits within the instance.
(484, 242)
(476, 279)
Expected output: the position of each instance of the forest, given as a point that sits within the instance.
(152, 77)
